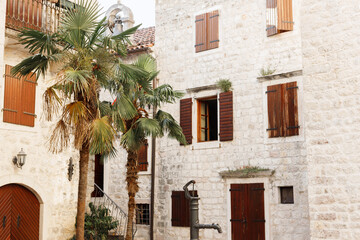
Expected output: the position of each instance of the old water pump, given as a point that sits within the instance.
(194, 214)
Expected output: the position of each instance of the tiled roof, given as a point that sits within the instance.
(143, 39)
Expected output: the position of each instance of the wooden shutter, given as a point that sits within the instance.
(226, 116)
(12, 97)
(28, 101)
(291, 124)
(200, 32)
(212, 29)
(186, 118)
(256, 213)
(274, 110)
(285, 16)
(271, 16)
(143, 157)
(239, 201)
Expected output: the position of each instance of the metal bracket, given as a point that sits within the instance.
(200, 44)
(213, 41)
(4, 221)
(70, 169)
(270, 129)
(270, 91)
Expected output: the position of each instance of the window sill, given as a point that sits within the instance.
(206, 145)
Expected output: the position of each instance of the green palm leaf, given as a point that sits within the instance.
(102, 135)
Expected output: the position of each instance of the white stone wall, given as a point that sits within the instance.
(244, 50)
(331, 59)
(44, 173)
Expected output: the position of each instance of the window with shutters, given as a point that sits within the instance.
(180, 211)
(287, 195)
(143, 214)
(19, 98)
(279, 16)
(207, 31)
(214, 120)
(282, 110)
(143, 157)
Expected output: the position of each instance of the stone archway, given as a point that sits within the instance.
(19, 213)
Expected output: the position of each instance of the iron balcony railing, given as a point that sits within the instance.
(41, 15)
(101, 198)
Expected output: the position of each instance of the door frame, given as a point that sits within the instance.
(265, 181)
(29, 184)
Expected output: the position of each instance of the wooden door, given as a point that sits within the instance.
(247, 211)
(19, 213)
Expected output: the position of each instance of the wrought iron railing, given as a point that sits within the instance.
(42, 15)
(115, 211)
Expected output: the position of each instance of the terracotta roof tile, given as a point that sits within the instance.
(142, 39)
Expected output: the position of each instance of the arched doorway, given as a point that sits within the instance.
(19, 213)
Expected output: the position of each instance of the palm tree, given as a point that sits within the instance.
(139, 89)
(86, 60)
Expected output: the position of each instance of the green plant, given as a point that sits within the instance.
(224, 84)
(248, 170)
(265, 72)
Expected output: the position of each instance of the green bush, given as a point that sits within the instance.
(98, 223)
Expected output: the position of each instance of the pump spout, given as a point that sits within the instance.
(213, 226)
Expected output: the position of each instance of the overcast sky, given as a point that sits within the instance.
(144, 10)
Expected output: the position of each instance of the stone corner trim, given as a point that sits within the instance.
(202, 88)
(280, 76)
(261, 174)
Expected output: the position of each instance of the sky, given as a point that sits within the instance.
(143, 10)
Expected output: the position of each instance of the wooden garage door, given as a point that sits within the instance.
(247, 211)
(19, 212)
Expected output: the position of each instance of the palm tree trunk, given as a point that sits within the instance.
(133, 188)
(83, 172)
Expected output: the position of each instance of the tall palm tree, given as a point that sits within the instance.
(140, 91)
(86, 60)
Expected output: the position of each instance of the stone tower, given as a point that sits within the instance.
(119, 18)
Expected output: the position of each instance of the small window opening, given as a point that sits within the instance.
(142, 214)
(287, 195)
(207, 120)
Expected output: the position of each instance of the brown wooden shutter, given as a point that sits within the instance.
(256, 213)
(226, 116)
(239, 201)
(285, 16)
(186, 118)
(271, 15)
(291, 123)
(200, 32)
(12, 97)
(212, 29)
(28, 101)
(175, 208)
(143, 157)
(274, 110)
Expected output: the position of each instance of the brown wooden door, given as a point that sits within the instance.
(247, 211)
(19, 213)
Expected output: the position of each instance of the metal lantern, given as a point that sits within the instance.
(20, 158)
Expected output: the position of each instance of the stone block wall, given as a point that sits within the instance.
(331, 50)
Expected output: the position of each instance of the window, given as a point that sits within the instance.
(98, 176)
(180, 209)
(143, 214)
(287, 195)
(279, 16)
(142, 157)
(207, 129)
(207, 31)
(19, 98)
(208, 119)
(282, 110)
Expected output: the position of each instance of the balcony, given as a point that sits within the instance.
(41, 15)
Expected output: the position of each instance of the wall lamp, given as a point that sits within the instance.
(19, 159)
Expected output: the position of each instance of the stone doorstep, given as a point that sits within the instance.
(260, 174)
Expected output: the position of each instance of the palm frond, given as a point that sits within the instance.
(148, 127)
(105, 108)
(97, 33)
(102, 136)
(59, 139)
(39, 42)
(77, 81)
(124, 36)
(52, 102)
(123, 108)
(131, 139)
(170, 126)
(74, 112)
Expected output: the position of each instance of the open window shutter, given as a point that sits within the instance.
(200, 43)
(256, 213)
(213, 29)
(175, 208)
(285, 16)
(28, 101)
(12, 100)
(226, 116)
(291, 109)
(271, 16)
(186, 118)
(274, 110)
(142, 157)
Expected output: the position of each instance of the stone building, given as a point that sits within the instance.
(275, 158)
